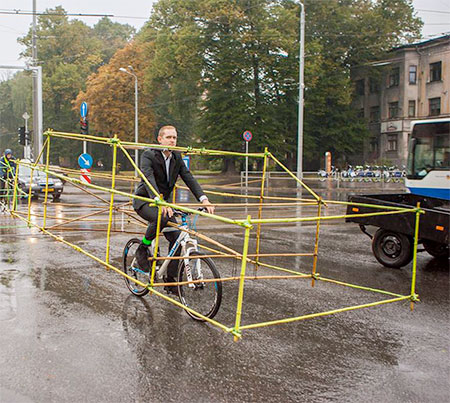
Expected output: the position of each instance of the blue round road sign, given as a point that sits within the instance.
(85, 161)
(83, 109)
(247, 135)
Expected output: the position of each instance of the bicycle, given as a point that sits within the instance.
(203, 297)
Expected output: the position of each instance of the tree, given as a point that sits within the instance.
(173, 75)
(15, 99)
(113, 36)
(69, 51)
(216, 68)
(110, 96)
(357, 31)
(242, 58)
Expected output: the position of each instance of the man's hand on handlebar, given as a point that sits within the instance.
(209, 207)
(167, 211)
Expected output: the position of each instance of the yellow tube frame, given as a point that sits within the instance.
(245, 257)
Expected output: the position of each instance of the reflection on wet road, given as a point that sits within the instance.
(71, 331)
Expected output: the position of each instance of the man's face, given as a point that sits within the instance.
(168, 138)
(9, 156)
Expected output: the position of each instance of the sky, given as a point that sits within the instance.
(434, 13)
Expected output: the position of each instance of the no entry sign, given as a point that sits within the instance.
(247, 135)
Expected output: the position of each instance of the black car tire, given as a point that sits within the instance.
(392, 249)
(438, 250)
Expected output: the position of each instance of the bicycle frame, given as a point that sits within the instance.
(187, 245)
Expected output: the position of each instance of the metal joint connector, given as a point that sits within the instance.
(414, 298)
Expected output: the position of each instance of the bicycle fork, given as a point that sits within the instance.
(187, 264)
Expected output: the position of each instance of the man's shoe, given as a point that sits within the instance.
(142, 258)
(170, 289)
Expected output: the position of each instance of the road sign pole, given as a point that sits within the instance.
(246, 167)
(83, 114)
(247, 136)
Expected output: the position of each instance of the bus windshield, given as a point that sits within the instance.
(429, 149)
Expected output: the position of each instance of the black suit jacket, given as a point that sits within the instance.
(153, 166)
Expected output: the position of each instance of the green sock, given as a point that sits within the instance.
(145, 241)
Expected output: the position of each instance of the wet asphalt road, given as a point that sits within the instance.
(72, 332)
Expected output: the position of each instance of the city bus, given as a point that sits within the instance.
(428, 169)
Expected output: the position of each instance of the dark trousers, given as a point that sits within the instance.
(150, 214)
(4, 187)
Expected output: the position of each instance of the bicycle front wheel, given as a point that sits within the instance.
(203, 297)
(131, 268)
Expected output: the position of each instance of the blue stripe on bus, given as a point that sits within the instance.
(432, 192)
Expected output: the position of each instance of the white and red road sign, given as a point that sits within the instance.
(85, 175)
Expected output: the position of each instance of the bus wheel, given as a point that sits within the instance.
(392, 249)
(439, 250)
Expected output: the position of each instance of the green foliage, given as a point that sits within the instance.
(218, 68)
(172, 77)
(113, 36)
(15, 99)
(69, 51)
(357, 31)
(215, 68)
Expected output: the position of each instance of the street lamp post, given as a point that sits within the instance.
(136, 124)
(300, 94)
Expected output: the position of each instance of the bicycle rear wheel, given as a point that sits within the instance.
(202, 297)
(131, 268)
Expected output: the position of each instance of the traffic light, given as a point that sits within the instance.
(84, 126)
(22, 135)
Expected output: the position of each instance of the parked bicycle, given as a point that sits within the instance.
(323, 175)
(201, 293)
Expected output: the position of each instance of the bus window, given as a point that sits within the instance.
(423, 156)
(442, 152)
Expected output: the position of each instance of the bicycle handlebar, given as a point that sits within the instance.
(184, 213)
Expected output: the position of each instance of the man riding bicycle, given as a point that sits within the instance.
(162, 169)
(7, 171)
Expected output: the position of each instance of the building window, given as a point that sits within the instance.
(394, 77)
(374, 86)
(374, 146)
(435, 71)
(412, 74)
(392, 142)
(393, 110)
(411, 109)
(360, 87)
(435, 106)
(374, 114)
